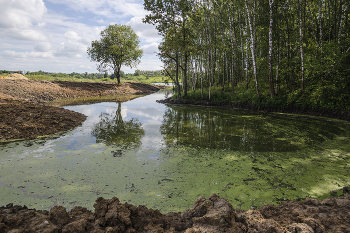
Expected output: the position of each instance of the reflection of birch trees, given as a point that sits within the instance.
(211, 128)
(113, 130)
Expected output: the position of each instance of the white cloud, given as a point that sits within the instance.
(71, 49)
(72, 35)
(21, 14)
(20, 19)
(35, 36)
(147, 32)
(31, 35)
(14, 54)
(101, 21)
(106, 8)
(150, 48)
(85, 67)
(43, 47)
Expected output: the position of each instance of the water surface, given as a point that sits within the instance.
(164, 157)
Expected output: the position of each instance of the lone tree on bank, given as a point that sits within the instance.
(119, 45)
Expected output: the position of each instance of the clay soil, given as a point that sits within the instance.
(22, 115)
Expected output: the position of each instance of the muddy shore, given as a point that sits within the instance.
(23, 115)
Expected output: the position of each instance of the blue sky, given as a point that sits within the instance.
(53, 35)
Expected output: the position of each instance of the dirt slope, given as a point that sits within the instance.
(43, 91)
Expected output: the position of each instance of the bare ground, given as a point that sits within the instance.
(23, 116)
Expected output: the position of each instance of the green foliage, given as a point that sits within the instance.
(119, 45)
(224, 42)
(74, 77)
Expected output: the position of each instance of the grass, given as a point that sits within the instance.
(49, 77)
(79, 78)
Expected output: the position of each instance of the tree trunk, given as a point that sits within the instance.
(177, 77)
(320, 16)
(252, 47)
(186, 58)
(233, 42)
(272, 90)
(201, 71)
(117, 74)
(301, 46)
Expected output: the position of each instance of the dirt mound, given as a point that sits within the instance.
(214, 214)
(43, 91)
(29, 120)
(14, 76)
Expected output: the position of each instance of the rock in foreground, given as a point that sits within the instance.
(214, 214)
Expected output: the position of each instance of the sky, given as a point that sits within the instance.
(53, 35)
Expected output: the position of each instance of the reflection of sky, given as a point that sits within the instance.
(80, 139)
(145, 109)
(150, 114)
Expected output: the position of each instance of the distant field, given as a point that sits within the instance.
(92, 78)
(147, 79)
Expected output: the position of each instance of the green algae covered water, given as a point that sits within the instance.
(164, 157)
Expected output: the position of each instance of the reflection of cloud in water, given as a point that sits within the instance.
(93, 111)
(147, 113)
(150, 115)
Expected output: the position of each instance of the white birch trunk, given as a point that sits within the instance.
(301, 46)
(252, 49)
(272, 91)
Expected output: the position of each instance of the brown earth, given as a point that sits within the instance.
(214, 214)
(23, 116)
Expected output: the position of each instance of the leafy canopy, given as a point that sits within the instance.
(119, 45)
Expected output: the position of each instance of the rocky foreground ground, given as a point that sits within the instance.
(214, 214)
(23, 116)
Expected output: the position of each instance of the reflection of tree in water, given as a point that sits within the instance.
(112, 130)
(217, 129)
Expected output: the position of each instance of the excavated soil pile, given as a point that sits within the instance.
(14, 76)
(30, 120)
(214, 214)
(43, 91)
(21, 115)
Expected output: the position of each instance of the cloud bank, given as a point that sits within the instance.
(53, 35)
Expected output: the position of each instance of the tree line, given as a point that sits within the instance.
(292, 50)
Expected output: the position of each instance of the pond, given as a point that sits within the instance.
(164, 157)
